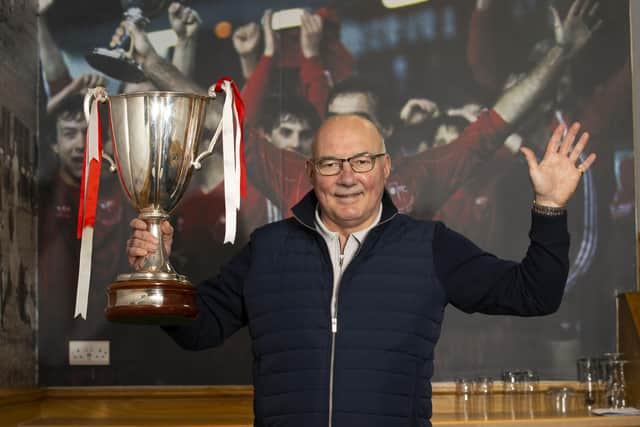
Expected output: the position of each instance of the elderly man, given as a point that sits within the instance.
(344, 301)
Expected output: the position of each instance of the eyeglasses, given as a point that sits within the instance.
(360, 163)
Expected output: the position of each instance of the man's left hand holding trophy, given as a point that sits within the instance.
(156, 139)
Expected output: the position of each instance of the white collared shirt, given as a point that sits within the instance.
(341, 259)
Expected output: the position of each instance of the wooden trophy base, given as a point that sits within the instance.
(151, 302)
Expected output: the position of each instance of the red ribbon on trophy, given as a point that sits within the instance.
(235, 179)
(89, 187)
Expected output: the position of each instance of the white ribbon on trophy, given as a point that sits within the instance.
(89, 199)
(231, 125)
(231, 145)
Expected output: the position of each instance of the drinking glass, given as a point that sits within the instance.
(464, 387)
(588, 374)
(482, 397)
(616, 391)
(510, 380)
(561, 400)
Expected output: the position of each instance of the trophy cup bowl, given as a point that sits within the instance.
(155, 140)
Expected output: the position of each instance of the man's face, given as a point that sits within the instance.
(69, 146)
(292, 134)
(349, 201)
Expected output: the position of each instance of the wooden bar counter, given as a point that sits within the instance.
(231, 406)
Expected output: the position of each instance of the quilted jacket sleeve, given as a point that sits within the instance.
(477, 281)
(221, 307)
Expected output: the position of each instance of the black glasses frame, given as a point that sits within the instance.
(373, 158)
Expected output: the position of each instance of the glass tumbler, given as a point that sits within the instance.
(587, 369)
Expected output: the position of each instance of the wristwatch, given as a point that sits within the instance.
(548, 210)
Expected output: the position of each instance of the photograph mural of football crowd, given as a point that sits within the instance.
(429, 76)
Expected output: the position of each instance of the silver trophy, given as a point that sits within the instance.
(155, 140)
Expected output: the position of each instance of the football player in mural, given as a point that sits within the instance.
(288, 127)
(304, 60)
(59, 249)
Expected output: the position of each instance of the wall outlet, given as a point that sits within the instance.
(89, 353)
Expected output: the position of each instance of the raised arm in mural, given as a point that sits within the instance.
(56, 73)
(255, 89)
(246, 41)
(54, 69)
(185, 22)
(571, 35)
(477, 209)
(447, 168)
(77, 86)
(483, 50)
(281, 55)
(163, 74)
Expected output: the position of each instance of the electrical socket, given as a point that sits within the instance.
(89, 353)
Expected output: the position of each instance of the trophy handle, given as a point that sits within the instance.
(101, 94)
(206, 153)
(196, 163)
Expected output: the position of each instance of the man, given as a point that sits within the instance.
(344, 300)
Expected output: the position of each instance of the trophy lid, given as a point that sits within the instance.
(115, 64)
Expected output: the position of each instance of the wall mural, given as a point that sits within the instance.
(430, 75)
(18, 199)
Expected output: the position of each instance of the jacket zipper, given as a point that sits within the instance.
(334, 331)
